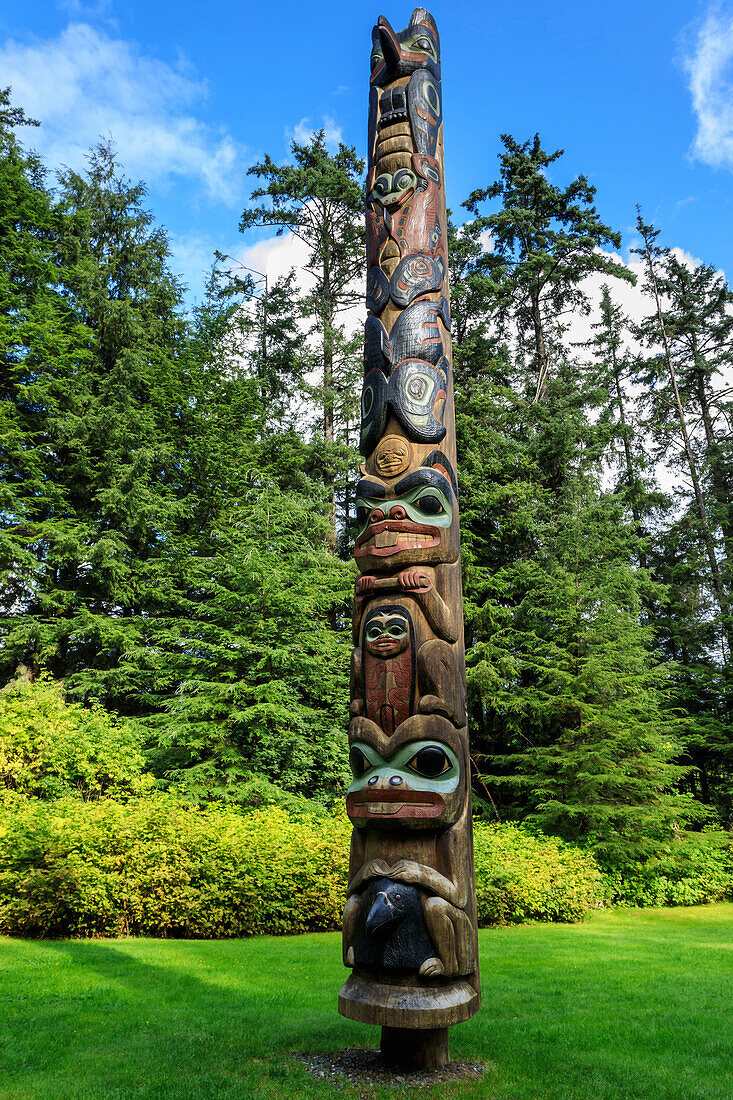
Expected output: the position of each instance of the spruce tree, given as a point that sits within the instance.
(244, 677)
(44, 347)
(608, 775)
(319, 198)
(548, 239)
(111, 437)
(675, 419)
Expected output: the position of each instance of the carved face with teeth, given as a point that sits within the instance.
(418, 784)
(413, 521)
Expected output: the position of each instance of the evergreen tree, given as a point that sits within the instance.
(617, 368)
(671, 422)
(608, 775)
(44, 346)
(239, 665)
(698, 319)
(117, 448)
(549, 239)
(319, 198)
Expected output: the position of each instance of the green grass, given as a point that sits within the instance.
(630, 1004)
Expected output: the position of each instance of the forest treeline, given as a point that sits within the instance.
(176, 513)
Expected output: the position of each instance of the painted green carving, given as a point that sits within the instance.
(419, 765)
(425, 504)
(393, 190)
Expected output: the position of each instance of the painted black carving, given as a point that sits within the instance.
(373, 411)
(391, 932)
(377, 346)
(415, 275)
(377, 294)
(423, 102)
(392, 107)
(416, 333)
(399, 53)
(416, 392)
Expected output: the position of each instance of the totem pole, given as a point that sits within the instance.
(409, 929)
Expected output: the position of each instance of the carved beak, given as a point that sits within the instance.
(381, 914)
(390, 45)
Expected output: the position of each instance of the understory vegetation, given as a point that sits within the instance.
(91, 846)
(175, 568)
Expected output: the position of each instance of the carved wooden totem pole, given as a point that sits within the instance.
(410, 917)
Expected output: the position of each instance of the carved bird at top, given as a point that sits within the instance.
(399, 53)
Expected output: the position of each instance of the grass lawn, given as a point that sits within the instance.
(632, 1004)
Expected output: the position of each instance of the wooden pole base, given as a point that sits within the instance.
(415, 1048)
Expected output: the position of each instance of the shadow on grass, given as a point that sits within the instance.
(169, 1018)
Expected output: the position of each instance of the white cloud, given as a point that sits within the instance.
(94, 9)
(303, 131)
(710, 70)
(193, 255)
(275, 256)
(85, 84)
(634, 303)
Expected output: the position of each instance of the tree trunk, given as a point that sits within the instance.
(640, 533)
(543, 365)
(726, 633)
(328, 406)
(718, 480)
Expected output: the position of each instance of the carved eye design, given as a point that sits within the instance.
(430, 762)
(423, 44)
(376, 59)
(430, 505)
(358, 762)
(403, 179)
(383, 184)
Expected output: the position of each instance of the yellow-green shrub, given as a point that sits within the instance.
(50, 747)
(523, 876)
(157, 866)
(694, 869)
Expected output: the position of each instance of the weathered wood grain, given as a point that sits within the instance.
(410, 917)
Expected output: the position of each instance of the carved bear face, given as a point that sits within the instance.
(411, 521)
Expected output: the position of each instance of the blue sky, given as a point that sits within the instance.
(639, 94)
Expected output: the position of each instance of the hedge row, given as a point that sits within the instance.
(696, 870)
(156, 866)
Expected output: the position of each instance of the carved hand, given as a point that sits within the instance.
(364, 585)
(406, 870)
(409, 870)
(413, 580)
(375, 868)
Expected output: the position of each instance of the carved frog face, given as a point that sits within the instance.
(418, 785)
